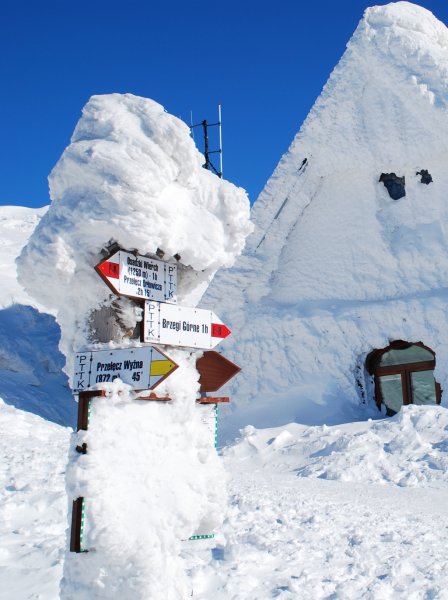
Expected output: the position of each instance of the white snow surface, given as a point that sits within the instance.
(335, 267)
(32, 505)
(351, 511)
(347, 511)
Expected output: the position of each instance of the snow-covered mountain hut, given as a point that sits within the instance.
(341, 297)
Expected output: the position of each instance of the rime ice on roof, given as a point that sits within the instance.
(335, 266)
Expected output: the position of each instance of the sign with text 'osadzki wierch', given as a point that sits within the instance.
(139, 277)
(182, 326)
(142, 368)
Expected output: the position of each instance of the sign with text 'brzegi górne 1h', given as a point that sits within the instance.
(182, 326)
(139, 277)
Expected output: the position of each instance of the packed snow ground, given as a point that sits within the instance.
(349, 511)
(33, 505)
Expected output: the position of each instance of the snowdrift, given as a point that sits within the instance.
(407, 450)
(31, 364)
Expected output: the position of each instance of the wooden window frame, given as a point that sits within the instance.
(405, 370)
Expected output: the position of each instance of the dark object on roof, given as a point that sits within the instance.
(394, 185)
(426, 177)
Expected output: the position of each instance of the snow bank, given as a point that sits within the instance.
(16, 225)
(30, 362)
(32, 504)
(407, 450)
(335, 529)
(31, 376)
(151, 476)
(335, 267)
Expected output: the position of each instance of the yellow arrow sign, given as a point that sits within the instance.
(161, 367)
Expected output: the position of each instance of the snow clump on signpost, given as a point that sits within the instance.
(146, 475)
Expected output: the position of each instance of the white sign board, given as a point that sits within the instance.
(182, 326)
(142, 368)
(139, 277)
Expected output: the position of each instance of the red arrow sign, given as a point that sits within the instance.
(140, 277)
(215, 371)
(220, 331)
(109, 269)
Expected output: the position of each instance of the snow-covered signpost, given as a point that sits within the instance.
(143, 368)
(129, 190)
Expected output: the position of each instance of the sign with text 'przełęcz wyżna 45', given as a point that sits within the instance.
(142, 368)
(139, 277)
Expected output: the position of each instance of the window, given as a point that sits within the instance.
(403, 374)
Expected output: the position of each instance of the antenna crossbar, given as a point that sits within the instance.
(205, 125)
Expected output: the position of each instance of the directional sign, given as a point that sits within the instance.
(142, 368)
(214, 371)
(181, 326)
(139, 277)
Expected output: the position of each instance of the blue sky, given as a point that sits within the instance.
(266, 62)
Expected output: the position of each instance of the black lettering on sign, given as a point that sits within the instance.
(166, 324)
(135, 262)
(130, 365)
(186, 326)
(111, 366)
(150, 266)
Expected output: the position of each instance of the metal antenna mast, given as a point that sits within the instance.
(205, 125)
